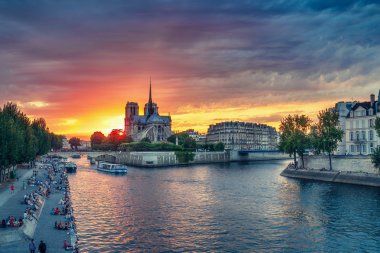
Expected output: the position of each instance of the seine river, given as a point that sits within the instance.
(238, 207)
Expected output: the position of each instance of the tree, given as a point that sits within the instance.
(74, 142)
(375, 158)
(377, 126)
(219, 146)
(97, 138)
(56, 141)
(328, 132)
(43, 137)
(303, 124)
(20, 140)
(294, 137)
(146, 139)
(184, 140)
(184, 156)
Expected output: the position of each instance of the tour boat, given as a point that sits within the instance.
(70, 167)
(111, 167)
(76, 156)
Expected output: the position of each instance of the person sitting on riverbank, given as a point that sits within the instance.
(3, 223)
(61, 225)
(67, 246)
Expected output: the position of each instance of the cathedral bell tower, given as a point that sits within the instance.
(131, 110)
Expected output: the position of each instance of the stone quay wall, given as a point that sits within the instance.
(357, 178)
(341, 163)
(257, 155)
(161, 159)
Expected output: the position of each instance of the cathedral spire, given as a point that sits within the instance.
(150, 103)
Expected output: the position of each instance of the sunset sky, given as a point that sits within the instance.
(77, 63)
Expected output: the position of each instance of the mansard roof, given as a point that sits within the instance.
(366, 105)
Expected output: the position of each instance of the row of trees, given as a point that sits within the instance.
(298, 133)
(21, 139)
(111, 142)
(117, 140)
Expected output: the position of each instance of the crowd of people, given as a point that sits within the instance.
(49, 177)
(59, 179)
(12, 221)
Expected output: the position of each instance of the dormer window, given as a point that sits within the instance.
(351, 114)
(370, 111)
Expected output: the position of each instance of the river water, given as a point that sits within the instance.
(237, 207)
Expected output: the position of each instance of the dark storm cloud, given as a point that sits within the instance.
(248, 50)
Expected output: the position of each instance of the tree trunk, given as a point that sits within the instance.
(302, 162)
(330, 161)
(295, 159)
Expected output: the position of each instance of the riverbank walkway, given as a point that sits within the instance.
(11, 205)
(347, 177)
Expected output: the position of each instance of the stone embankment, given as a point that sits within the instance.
(51, 190)
(359, 178)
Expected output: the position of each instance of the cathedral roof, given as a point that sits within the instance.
(150, 119)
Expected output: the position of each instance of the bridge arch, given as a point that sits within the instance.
(106, 158)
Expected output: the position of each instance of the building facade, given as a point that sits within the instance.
(360, 134)
(243, 136)
(150, 125)
(342, 108)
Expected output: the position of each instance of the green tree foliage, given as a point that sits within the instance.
(184, 156)
(327, 132)
(146, 139)
(294, 135)
(377, 126)
(56, 141)
(41, 131)
(375, 158)
(74, 143)
(20, 140)
(219, 146)
(184, 140)
(147, 146)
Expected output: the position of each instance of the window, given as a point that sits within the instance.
(370, 123)
(363, 135)
(358, 148)
(351, 136)
(357, 135)
(352, 148)
(356, 124)
(371, 147)
(364, 148)
(370, 135)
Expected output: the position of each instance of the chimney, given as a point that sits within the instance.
(372, 96)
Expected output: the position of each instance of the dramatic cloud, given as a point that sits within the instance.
(83, 60)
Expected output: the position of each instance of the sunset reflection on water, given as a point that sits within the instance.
(244, 207)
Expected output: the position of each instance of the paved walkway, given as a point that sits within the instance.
(11, 205)
(5, 193)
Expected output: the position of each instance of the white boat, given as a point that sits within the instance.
(111, 167)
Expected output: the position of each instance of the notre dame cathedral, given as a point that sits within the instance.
(150, 125)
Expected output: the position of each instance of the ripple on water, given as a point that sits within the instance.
(221, 208)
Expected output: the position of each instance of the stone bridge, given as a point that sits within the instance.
(98, 155)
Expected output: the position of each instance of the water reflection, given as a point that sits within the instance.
(244, 207)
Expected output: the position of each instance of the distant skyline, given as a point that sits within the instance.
(77, 63)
